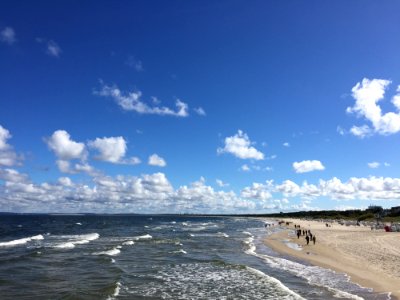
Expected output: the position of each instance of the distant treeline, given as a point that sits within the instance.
(371, 214)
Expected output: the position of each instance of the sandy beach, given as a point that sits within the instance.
(370, 258)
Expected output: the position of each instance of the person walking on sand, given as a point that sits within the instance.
(313, 239)
(307, 239)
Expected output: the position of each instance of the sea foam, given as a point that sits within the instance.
(21, 241)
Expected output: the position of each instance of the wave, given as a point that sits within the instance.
(128, 243)
(76, 240)
(314, 275)
(67, 245)
(116, 291)
(276, 281)
(21, 241)
(112, 252)
(213, 281)
(219, 234)
(143, 237)
(180, 251)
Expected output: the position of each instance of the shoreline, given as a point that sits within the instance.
(369, 258)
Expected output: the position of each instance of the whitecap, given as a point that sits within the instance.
(276, 281)
(67, 245)
(128, 243)
(21, 241)
(112, 252)
(78, 223)
(143, 237)
(222, 234)
(116, 291)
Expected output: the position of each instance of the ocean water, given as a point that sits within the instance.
(155, 257)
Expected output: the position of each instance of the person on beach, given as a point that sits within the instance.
(313, 239)
(298, 233)
(307, 239)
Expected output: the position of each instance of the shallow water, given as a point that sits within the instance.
(155, 257)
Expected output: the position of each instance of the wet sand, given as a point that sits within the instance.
(370, 258)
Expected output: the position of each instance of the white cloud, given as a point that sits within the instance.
(131, 101)
(286, 144)
(239, 145)
(65, 166)
(257, 191)
(386, 164)
(65, 181)
(200, 111)
(8, 157)
(220, 183)
(272, 157)
(155, 160)
(53, 49)
(64, 148)
(308, 166)
(374, 165)
(367, 94)
(12, 175)
(4, 136)
(245, 168)
(340, 130)
(112, 149)
(7, 35)
(361, 131)
(153, 193)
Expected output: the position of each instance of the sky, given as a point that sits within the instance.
(199, 106)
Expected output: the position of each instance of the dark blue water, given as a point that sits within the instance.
(154, 257)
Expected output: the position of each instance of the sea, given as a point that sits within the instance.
(156, 257)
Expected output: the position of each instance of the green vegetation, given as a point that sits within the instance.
(371, 214)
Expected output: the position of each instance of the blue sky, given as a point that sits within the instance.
(198, 106)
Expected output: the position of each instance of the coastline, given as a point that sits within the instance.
(370, 258)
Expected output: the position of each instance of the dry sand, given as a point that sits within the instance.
(370, 258)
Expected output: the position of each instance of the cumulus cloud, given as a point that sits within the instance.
(239, 145)
(155, 160)
(200, 111)
(367, 94)
(286, 144)
(65, 181)
(153, 193)
(257, 191)
(372, 188)
(131, 101)
(308, 166)
(12, 175)
(148, 193)
(245, 168)
(8, 157)
(64, 147)
(374, 165)
(220, 183)
(7, 35)
(65, 166)
(113, 150)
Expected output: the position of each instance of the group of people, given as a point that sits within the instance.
(309, 236)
